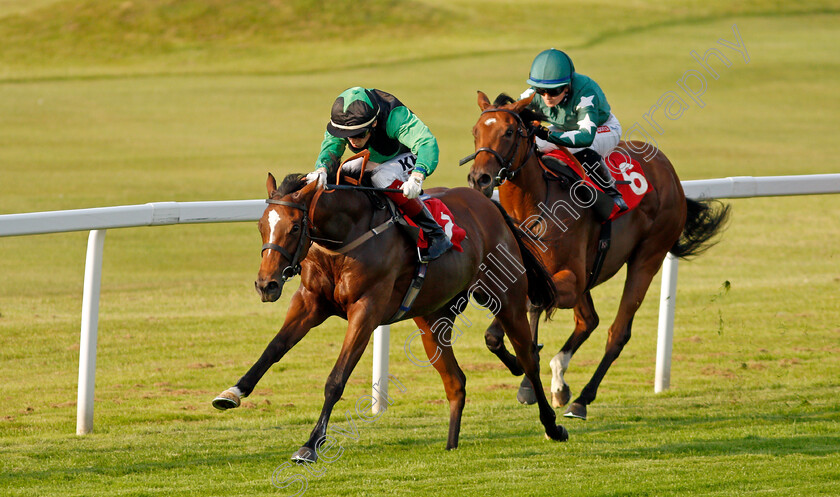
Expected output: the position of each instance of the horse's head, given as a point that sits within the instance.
(285, 229)
(506, 139)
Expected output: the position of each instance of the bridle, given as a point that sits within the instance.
(293, 269)
(507, 172)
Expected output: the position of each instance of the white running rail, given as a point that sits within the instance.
(97, 220)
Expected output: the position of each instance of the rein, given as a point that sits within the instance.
(294, 267)
(363, 188)
(507, 171)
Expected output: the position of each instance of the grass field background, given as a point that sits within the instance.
(118, 102)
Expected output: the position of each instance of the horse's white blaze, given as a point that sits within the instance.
(273, 219)
(559, 364)
(489, 121)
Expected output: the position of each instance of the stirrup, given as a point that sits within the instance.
(622, 205)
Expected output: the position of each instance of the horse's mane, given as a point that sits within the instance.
(527, 114)
(290, 184)
(296, 181)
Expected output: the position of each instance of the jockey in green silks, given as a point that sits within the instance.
(579, 116)
(402, 150)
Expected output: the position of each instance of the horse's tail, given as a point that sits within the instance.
(704, 220)
(541, 289)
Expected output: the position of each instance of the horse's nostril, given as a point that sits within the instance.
(484, 180)
(272, 286)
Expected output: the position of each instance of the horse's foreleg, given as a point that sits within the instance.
(586, 320)
(515, 325)
(361, 322)
(526, 395)
(639, 276)
(304, 313)
(437, 335)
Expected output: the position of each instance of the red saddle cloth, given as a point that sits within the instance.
(633, 192)
(445, 219)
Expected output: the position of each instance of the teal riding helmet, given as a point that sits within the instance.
(551, 69)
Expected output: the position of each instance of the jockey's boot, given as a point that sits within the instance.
(594, 164)
(416, 210)
(435, 237)
(610, 189)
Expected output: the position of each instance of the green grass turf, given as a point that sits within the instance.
(179, 104)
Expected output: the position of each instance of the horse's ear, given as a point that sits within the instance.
(483, 101)
(521, 104)
(306, 191)
(271, 185)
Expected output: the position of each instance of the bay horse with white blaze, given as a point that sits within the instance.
(664, 221)
(325, 235)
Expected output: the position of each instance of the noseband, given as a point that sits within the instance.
(293, 269)
(507, 171)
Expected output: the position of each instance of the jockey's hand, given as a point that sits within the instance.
(414, 185)
(353, 166)
(541, 132)
(319, 175)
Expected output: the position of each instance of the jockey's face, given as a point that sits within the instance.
(359, 141)
(551, 99)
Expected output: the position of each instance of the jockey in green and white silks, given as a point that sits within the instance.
(579, 115)
(403, 152)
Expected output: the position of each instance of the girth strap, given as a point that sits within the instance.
(411, 294)
(601, 254)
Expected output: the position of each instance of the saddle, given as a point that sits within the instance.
(352, 173)
(629, 177)
(559, 168)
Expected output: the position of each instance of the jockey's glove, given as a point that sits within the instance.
(541, 132)
(414, 185)
(319, 175)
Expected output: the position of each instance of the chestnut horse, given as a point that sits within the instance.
(665, 221)
(349, 270)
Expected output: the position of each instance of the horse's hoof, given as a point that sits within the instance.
(561, 398)
(526, 394)
(226, 400)
(304, 455)
(576, 410)
(561, 434)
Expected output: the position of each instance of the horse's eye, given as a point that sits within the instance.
(509, 133)
(295, 228)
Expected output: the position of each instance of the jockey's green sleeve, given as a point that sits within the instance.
(332, 148)
(409, 130)
(579, 116)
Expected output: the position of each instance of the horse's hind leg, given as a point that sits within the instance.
(494, 338)
(437, 336)
(515, 324)
(586, 320)
(640, 272)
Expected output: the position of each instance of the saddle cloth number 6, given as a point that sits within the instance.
(638, 183)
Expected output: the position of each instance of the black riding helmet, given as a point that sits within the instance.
(353, 112)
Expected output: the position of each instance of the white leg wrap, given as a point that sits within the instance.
(559, 364)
